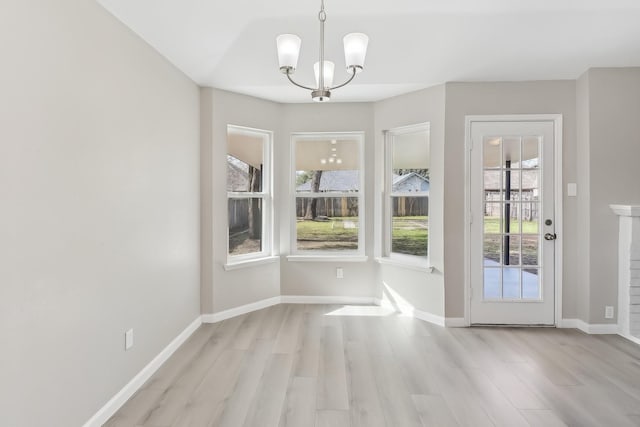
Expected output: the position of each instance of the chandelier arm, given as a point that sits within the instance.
(299, 85)
(347, 82)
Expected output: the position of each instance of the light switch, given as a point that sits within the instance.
(572, 189)
(128, 339)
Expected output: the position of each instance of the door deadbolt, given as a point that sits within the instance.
(548, 222)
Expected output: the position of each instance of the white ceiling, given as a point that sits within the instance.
(413, 43)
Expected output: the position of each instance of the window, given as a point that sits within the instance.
(407, 193)
(328, 200)
(248, 194)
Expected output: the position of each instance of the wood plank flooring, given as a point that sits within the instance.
(322, 365)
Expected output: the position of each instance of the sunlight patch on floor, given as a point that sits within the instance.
(362, 310)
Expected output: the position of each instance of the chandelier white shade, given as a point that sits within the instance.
(329, 68)
(355, 51)
(288, 50)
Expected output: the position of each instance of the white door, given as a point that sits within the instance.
(512, 234)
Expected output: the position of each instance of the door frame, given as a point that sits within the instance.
(557, 200)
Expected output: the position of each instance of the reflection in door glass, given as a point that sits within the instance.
(492, 283)
(531, 283)
(511, 283)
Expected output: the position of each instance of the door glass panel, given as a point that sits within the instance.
(513, 209)
(511, 217)
(511, 184)
(492, 250)
(530, 215)
(492, 283)
(531, 283)
(530, 152)
(513, 243)
(492, 152)
(493, 185)
(511, 153)
(530, 249)
(492, 218)
(511, 283)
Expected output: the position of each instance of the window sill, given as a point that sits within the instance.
(327, 258)
(418, 266)
(251, 263)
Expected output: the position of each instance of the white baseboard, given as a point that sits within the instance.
(132, 386)
(631, 338)
(590, 328)
(307, 299)
(568, 324)
(455, 322)
(237, 311)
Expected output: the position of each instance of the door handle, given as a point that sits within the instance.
(550, 236)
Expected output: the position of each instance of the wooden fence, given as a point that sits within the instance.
(348, 206)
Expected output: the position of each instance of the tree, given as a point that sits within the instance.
(255, 217)
(312, 207)
(422, 172)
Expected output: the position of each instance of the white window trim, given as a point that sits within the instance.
(388, 257)
(319, 256)
(266, 255)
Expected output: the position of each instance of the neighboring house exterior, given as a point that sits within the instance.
(410, 182)
(348, 181)
(339, 180)
(527, 200)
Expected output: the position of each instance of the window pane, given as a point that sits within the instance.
(244, 160)
(410, 228)
(410, 163)
(409, 175)
(327, 165)
(245, 226)
(334, 226)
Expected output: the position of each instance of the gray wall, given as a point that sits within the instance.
(610, 149)
(423, 291)
(99, 216)
(222, 290)
(548, 97)
(319, 278)
(583, 240)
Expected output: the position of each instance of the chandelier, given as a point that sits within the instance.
(355, 49)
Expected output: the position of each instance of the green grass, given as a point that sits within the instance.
(493, 244)
(492, 226)
(409, 235)
(327, 235)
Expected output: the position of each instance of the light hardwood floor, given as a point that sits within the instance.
(321, 365)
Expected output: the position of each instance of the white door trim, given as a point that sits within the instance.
(558, 192)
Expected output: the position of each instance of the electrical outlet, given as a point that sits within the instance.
(608, 312)
(128, 339)
(339, 273)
